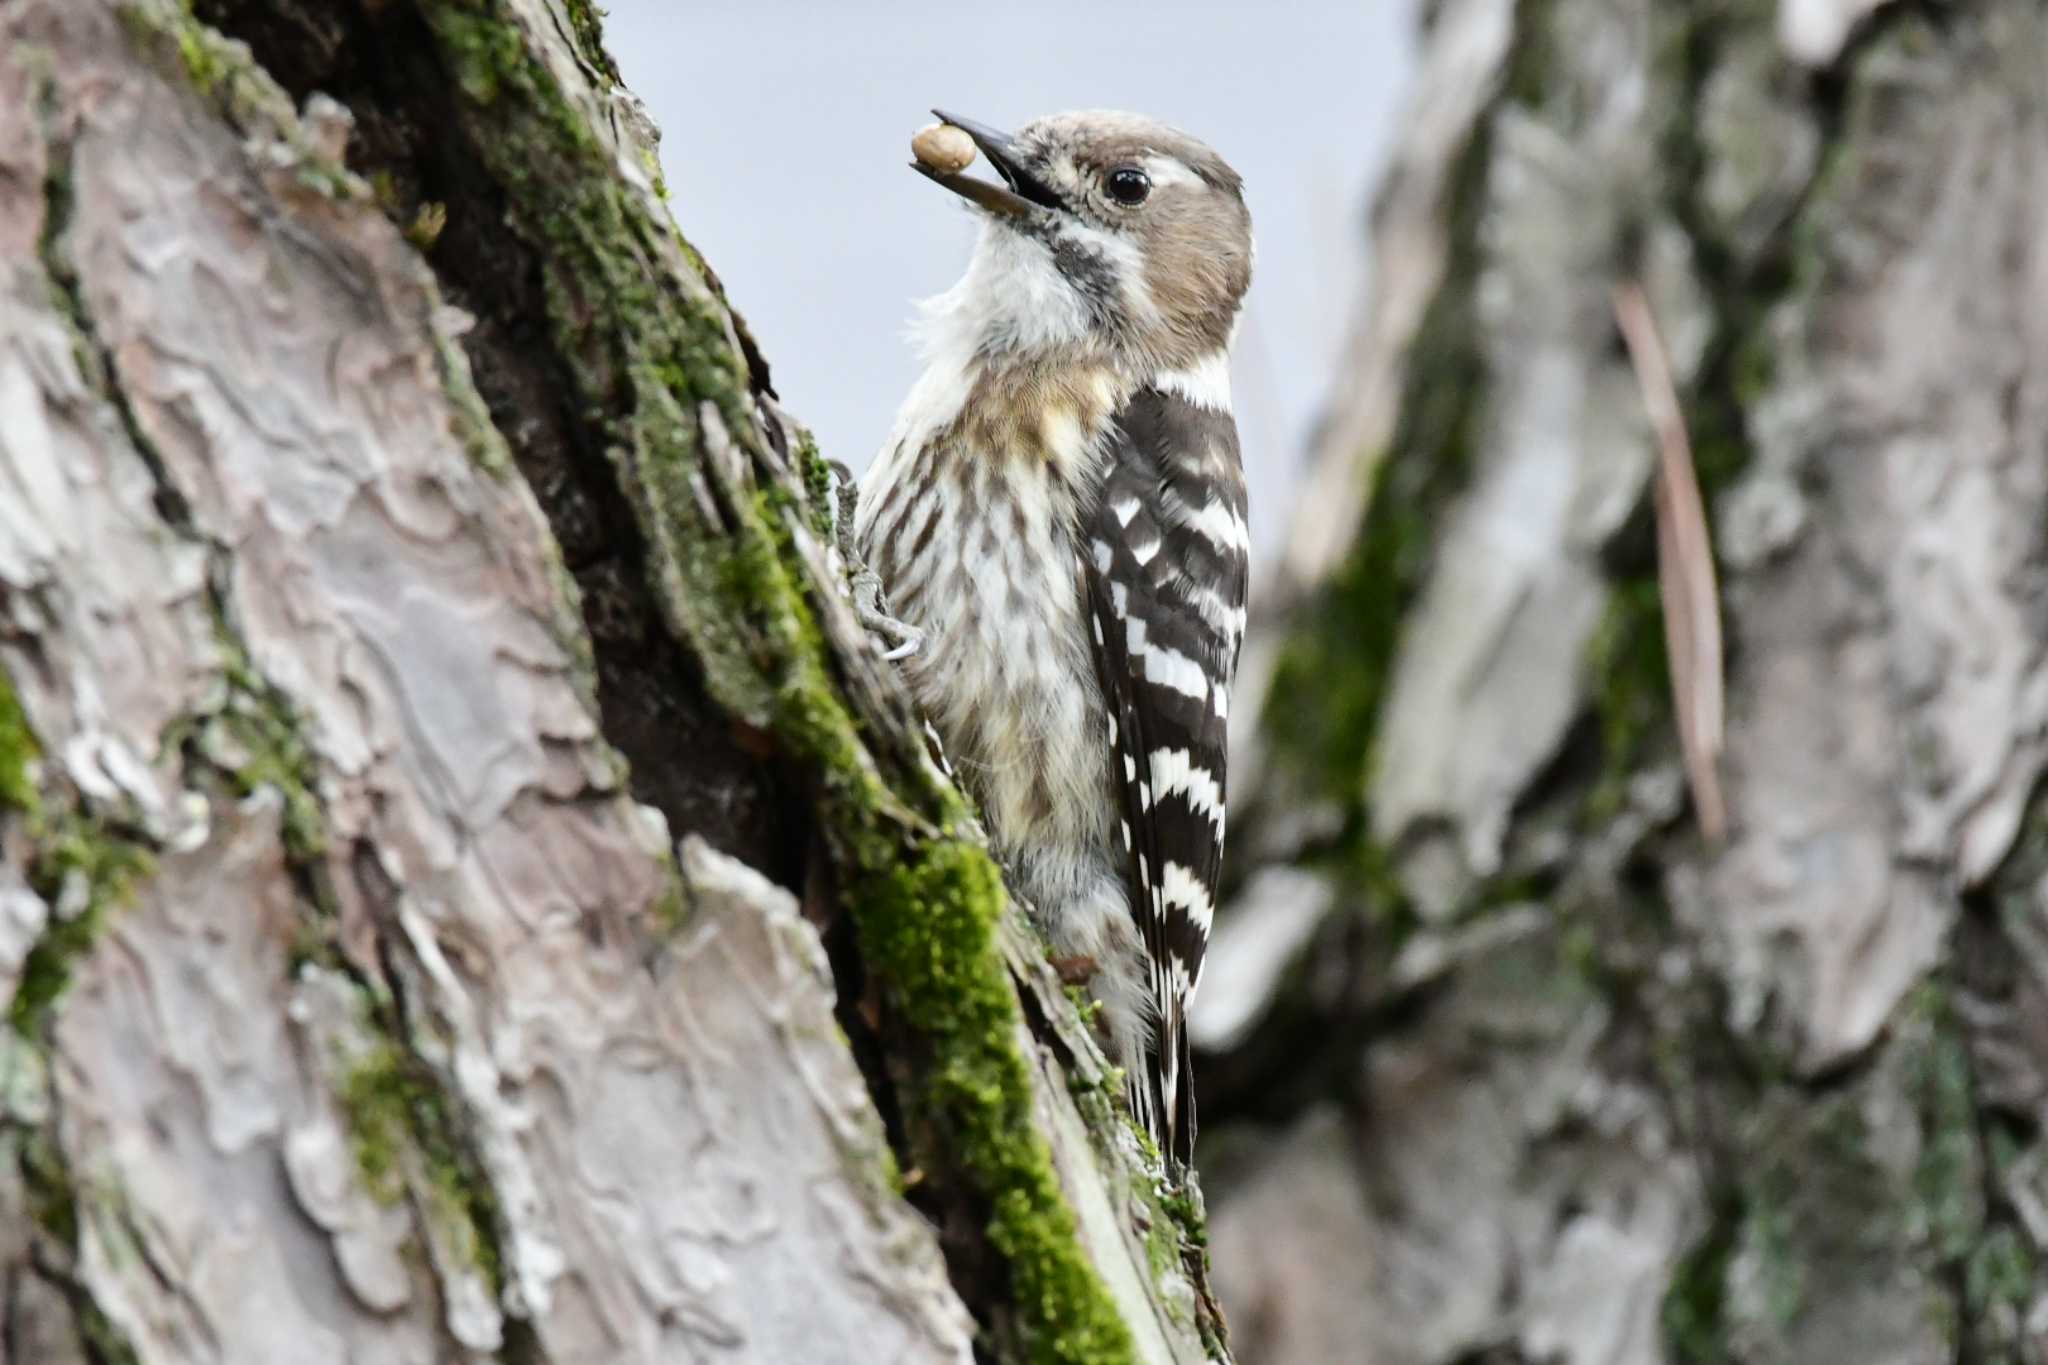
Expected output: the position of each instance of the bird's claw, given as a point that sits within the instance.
(903, 639)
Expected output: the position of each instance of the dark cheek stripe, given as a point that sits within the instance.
(1089, 274)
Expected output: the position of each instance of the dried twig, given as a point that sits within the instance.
(1685, 566)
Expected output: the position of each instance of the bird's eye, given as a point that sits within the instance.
(1128, 186)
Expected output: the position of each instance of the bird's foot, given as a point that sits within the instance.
(1076, 969)
(901, 639)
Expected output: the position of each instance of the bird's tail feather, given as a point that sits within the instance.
(1162, 1095)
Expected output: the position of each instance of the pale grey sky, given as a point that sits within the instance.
(787, 129)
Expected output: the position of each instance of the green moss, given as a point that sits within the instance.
(817, 477)
(1998, 1281)
(18, 754)
(1951, 1220)
(484, 50)
(486, 448)
(58, 193)
(377, 1104)
(671, 909)
(52, 1203)
(46, 1181)
(586, 21)
(1180, 1206)
(1948, 1211)
(221, 71)
(202, 57)
(105, 1343)
(279, 759)
(928, 924)
(405, 1138)
(1811, 1202)
(1179, 1239)
(1772, 1241)
(926, 913)
(1529, 76)
(651, 164)
(1801, 1205)
(1165, 1250)
(1629, 675)
(399, 1125)
(426, 225)
(886, 1171)
(1697, 1295)
(1162, 1249)
(1367, 865)
(73, 854)
(254, 741)
(1086, 1006)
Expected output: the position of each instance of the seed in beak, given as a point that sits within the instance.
(943, 148)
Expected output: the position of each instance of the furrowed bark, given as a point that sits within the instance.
(1582, 1086)
(399, 548)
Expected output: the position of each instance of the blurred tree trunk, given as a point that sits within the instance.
(1505, 1062)
(399, 546)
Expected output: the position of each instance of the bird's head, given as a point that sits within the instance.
(1108, 233)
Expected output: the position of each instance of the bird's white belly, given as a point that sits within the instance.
(1006, 673)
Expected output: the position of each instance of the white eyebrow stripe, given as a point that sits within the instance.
(1168, 170)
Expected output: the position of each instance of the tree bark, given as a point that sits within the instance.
(1541, 1074)
(400, 547)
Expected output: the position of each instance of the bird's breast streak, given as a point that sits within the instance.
(1006, 638)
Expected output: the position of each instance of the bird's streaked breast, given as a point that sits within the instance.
(975, 534)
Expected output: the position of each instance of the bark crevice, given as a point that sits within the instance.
(412, 142)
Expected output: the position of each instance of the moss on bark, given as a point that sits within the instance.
(18, 753)
(644, 337)
(1802, 1194)
(85, 864)
(407, 1138)
(1337, 660)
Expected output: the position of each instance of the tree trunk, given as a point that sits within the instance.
(1553, 1077)
(400, 545)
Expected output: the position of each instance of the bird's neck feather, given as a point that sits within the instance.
(1016, 365)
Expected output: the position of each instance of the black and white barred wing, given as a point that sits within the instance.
(1165, 581)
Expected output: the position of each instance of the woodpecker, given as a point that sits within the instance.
(1057, 521)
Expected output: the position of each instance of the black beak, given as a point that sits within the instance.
(1021, 193)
